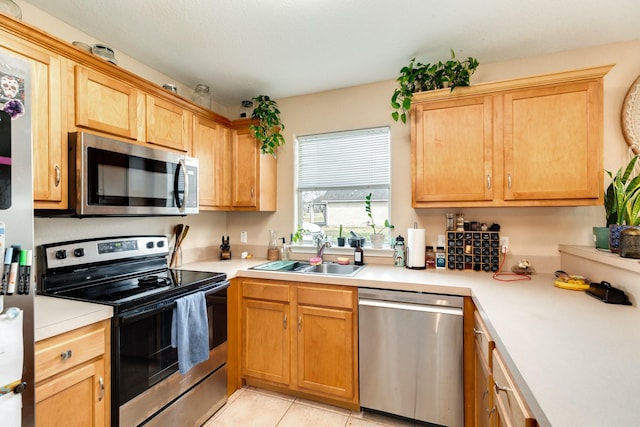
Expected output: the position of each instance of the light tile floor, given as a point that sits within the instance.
(253, 407)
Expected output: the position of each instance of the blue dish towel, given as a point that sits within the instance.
(190, 331)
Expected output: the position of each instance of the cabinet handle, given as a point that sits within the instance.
(284, 322)
(485, 394)
(66, 355)
(58, 176)
(101, 389)
(488, 182)
(491, 411)
(300, 324)
(477, 332)
(499, 388)
(509, 181)
(253, 191)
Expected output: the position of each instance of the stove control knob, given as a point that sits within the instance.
(149, 245)
(78, 252)
(61, 254)
(160, 244)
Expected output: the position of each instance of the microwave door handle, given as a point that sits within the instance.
(181, 203)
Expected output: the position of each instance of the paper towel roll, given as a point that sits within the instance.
(415, 248)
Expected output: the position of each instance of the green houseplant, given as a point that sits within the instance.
(341, 238)
(377, 238)
(622, 202)
(417, 77)
(269, 126)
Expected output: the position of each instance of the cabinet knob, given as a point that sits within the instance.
(488, 182)
(58, 176)
(65, 355)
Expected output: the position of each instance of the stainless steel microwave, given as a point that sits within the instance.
(113, 178)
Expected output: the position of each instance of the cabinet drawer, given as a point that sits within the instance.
(266, 291)
(326, 297)
(511, 405)
(59, 353)
(484, 342)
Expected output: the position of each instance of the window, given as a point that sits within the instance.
(335, 173)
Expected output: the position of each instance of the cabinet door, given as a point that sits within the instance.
(212, 147)
(483, 395)
(168, 124)
(326, 351)
(552, 139)
(452, 150)
(106, 104)
(266, 340)
(45, 106)
(245, 169)
(511, 407)
(75, 398)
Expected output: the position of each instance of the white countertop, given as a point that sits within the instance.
(54, 316)
(574, 358)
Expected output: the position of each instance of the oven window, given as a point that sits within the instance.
(146, 355)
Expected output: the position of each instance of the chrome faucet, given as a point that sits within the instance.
(321, 241)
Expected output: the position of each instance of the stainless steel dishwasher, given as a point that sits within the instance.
(411, 355)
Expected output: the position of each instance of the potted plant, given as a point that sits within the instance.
(341, 238)
(622, 202)
(269, 126)
(418, 77)
(377, 238)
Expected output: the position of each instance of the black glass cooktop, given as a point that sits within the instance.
(132, 292)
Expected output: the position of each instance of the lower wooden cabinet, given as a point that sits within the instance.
(72, 372)
(483, 395)
(511, 408)
(300, 338)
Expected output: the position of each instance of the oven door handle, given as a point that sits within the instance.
(216, 288)
(143, 312)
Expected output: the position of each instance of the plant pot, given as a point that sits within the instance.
(341, 241)
(614, 237)
(630, 243)
(601, 237)
(377, 240)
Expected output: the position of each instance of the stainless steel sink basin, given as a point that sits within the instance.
(327, 268)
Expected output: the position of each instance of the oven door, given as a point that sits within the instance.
(116, 178)
(145, 375)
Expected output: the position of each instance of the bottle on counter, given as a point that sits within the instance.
(441, 260)
(430, 257)
(399, 252)
(358, 254)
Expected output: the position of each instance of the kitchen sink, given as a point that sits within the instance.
(326, 268)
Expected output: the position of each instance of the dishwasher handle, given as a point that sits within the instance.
(454, 311)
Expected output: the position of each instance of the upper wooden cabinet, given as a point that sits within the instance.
(534, 141)
(46, 109)
(254, 174)
(168, 124)
(106, 104)
(212, 146)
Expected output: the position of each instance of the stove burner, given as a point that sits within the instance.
(153, 281)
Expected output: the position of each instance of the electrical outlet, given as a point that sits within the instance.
(243, 237)
(504, 244)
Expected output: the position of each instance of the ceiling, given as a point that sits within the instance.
(281, 48)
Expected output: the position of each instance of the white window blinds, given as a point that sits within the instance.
(353, 159)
